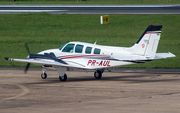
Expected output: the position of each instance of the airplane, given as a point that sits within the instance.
(97, 57)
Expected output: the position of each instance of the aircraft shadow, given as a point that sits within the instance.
(129, 78)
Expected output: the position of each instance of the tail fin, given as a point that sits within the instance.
(148, 42)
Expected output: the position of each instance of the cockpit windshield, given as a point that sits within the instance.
(68, 48)
(62, 47)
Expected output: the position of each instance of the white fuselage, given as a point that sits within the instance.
(92, 59)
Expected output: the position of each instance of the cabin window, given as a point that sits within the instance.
(97, 51)
(88, 50)
(68, 48)
(79, 48)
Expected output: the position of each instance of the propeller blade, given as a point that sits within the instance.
(26, 69)
(27, 48)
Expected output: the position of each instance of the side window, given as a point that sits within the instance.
(68, 48)
(97, 51)
(79, 48)
(88, 50)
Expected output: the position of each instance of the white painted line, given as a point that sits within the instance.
(30, 10)
(25, 91)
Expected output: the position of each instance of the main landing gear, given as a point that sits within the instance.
(63, 78)
(98, 74)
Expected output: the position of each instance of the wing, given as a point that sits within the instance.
(47, 62)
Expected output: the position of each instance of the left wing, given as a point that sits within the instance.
(46, 62)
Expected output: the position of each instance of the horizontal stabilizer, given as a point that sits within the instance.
(164, 55)
(130, 57)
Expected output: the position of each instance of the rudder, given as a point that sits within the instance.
(148, 42)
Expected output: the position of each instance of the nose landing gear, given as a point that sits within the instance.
(44, 75)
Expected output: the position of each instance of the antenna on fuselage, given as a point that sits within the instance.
(95, 42)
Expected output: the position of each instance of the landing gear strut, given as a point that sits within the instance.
(63, 78)
(44, 75)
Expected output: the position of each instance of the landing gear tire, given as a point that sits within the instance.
(98, 74)
(63, 78)
(43, 75)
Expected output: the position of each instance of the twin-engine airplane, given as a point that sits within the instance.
(97, 57)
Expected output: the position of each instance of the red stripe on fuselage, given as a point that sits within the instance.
(81, 56)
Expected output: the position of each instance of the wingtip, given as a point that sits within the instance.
(6, 58)
(172, 55)
(9, 59)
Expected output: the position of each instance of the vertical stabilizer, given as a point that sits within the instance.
(148, 42)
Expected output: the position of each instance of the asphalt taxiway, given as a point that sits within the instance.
(91, 9)
(127, 91)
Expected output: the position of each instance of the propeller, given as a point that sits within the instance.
(41, 56)
(27, 67)
(27, 48)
